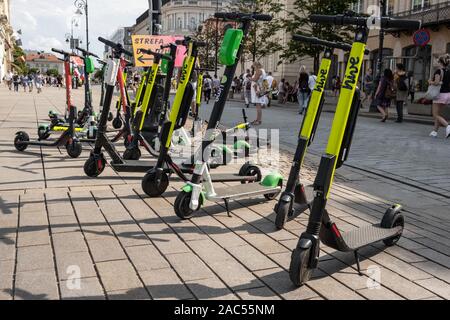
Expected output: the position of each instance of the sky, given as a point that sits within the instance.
(45, 23)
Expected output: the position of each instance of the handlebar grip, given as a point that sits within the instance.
(127, 53)
(402, 24)
(225, 15)
(107, 42)
(262, 17)
(148, 51)
(87, 53)
(60, 52)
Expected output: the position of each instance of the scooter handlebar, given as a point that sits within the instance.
(385, 22)
(155, 54)
(243, 16)
(64, 53)
(186, 40)
(115, 46)
(87, 53)
(324, 43)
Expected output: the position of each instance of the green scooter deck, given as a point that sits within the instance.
(245, 191)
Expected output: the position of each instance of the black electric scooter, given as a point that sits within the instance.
(305, 257)
(68, 138)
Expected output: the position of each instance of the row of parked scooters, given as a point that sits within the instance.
(152, 123)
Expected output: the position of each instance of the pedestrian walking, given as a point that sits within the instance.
(337, 83)
(258, 91)
(207, 88)
(248, 89)
(30, 79)
(412, 84)
(216, 86)
(282, 91)
(385, 93)
(39, 82)
(9, 79)
(24, 82)
(270, 79)
(303, 90)
(368, 87)
(441, 78)
(16, 81)
(401, 87)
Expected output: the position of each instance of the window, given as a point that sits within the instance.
(418, 5)
(179, 24)
(357, 6)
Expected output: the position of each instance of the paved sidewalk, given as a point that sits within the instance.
(58, 227)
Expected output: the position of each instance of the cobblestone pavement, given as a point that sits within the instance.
(57, 227)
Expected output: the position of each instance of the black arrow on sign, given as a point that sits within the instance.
(142, 60)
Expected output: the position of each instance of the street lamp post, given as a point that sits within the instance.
(217, 41)
(83, 5)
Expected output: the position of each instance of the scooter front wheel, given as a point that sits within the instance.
(117, 123)
(94, 166)
(299, 270)
(182, 205)
(154, 187)
(74, 149)
(282, 212)
(20, 141)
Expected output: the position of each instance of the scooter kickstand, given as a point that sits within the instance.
(227, 207)
(358, 263)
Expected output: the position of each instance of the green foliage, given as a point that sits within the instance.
(264, 37)
(33, 70)
(18, 60)
(98, 74)
(52, 72)
(297, 22)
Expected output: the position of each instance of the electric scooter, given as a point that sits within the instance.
(85, 124)
(95, 164)
(68, 138)
(156, 181)
(305, 257)
(200, 187)
(293, 200)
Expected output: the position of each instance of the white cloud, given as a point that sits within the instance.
(45, 23)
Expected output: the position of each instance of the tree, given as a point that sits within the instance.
(19, 62)
(264, 37)
(52, 72)
(297, 22)
(207, 33)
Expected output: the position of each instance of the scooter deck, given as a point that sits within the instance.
(134, 166)
(230, 177)
(366, 235)
(245, 191)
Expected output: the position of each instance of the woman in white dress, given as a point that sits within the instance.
(259, 96)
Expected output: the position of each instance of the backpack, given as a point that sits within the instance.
(248, 85)
(401, 84)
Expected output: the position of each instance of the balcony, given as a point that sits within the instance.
(430, 15)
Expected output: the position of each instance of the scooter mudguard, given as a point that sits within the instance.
(188, 189)
(226, 150)
(241, 145)
(272, 180)
(43, 127)
(230, 46)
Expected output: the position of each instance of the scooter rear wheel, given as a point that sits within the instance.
(132, 154)
(182, 206)
(299, 271)
(272, 196)
(74, 149)
(154, 187)
(392, 221)
(117, 123)
(249, 170)
(110, 116)
(43, 134)
(21, 137)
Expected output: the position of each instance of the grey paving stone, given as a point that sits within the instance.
(34, 258)
(434, 269)
(262, 293)
(7, 251)
(189, 267)
(69, 264)
(36, 285)
(165, 284)
(251, 258)
(118, 275)
(436, 286)
(130, 294)
(82, 289)
(69, 242)
(6, 274)
(146, 258)
(210, 289)
(33, 238)
(379, 293)
(106, 250)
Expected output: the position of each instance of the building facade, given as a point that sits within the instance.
(6, 38)
(122, 36)
(183, 17)
(43, 62)
(400, 46)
